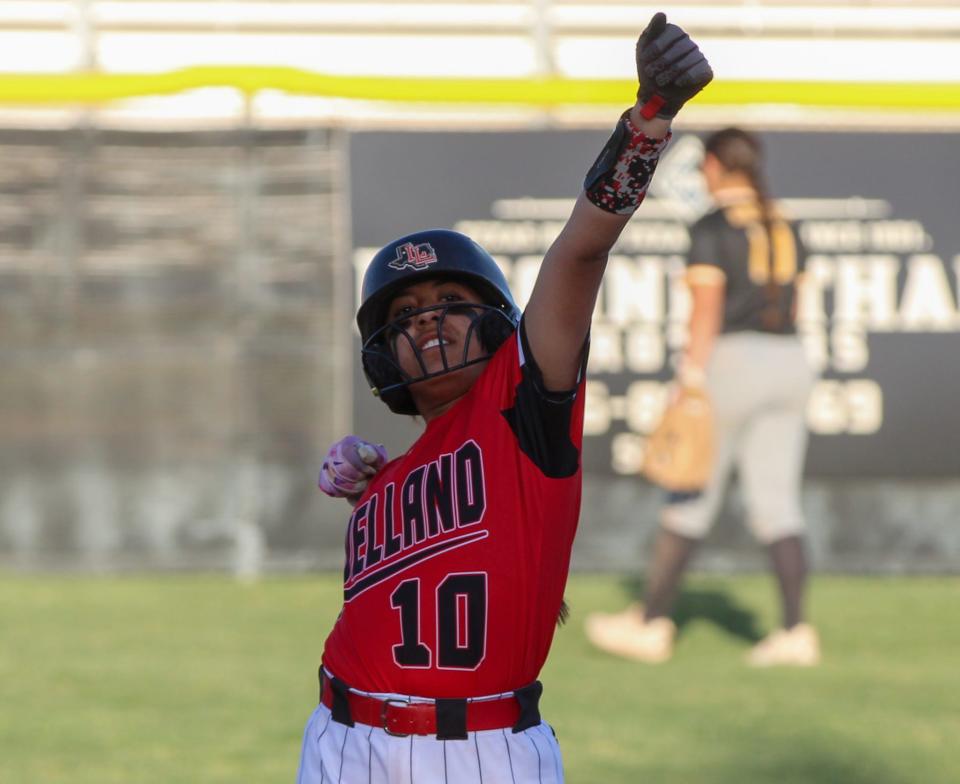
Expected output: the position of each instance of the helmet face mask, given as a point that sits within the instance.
(382, 350)
(429, 255)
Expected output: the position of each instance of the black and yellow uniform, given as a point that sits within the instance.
(760, 263)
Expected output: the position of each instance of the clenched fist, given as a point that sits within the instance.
(671, 69)
(348, 467)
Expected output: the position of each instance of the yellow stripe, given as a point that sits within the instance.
(97, 88)
(879, 95)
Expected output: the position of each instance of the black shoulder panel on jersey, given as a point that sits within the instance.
(541, 420)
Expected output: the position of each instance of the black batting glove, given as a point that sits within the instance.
(671, 69)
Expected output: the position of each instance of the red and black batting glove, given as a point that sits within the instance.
(671, 69)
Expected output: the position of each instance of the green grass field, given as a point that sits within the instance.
(202, 680)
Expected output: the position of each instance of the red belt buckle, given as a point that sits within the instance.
(385, 719)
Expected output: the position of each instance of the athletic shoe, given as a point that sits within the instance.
(627, 634)
(796, 647)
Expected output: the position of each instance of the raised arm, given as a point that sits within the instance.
(671, 70)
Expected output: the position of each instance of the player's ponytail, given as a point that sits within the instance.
(740, 151)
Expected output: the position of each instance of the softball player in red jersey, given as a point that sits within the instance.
(457, 551)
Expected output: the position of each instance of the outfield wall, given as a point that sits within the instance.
(175, 332)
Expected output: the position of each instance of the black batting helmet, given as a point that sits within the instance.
(408, 260)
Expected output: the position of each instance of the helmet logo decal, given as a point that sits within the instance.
(415, 257)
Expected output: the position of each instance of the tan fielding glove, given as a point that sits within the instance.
(679, 452)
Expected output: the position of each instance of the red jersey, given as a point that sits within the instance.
(457, 554)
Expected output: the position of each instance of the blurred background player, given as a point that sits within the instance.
(457, 552)
(743, 266)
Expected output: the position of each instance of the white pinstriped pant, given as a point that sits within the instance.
(334, 753)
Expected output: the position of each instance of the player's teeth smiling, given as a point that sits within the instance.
(432, 344)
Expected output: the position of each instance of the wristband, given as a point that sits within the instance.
(618, 179)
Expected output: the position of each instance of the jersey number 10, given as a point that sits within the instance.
(461, 609)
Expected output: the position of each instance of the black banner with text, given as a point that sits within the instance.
(879, 315)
